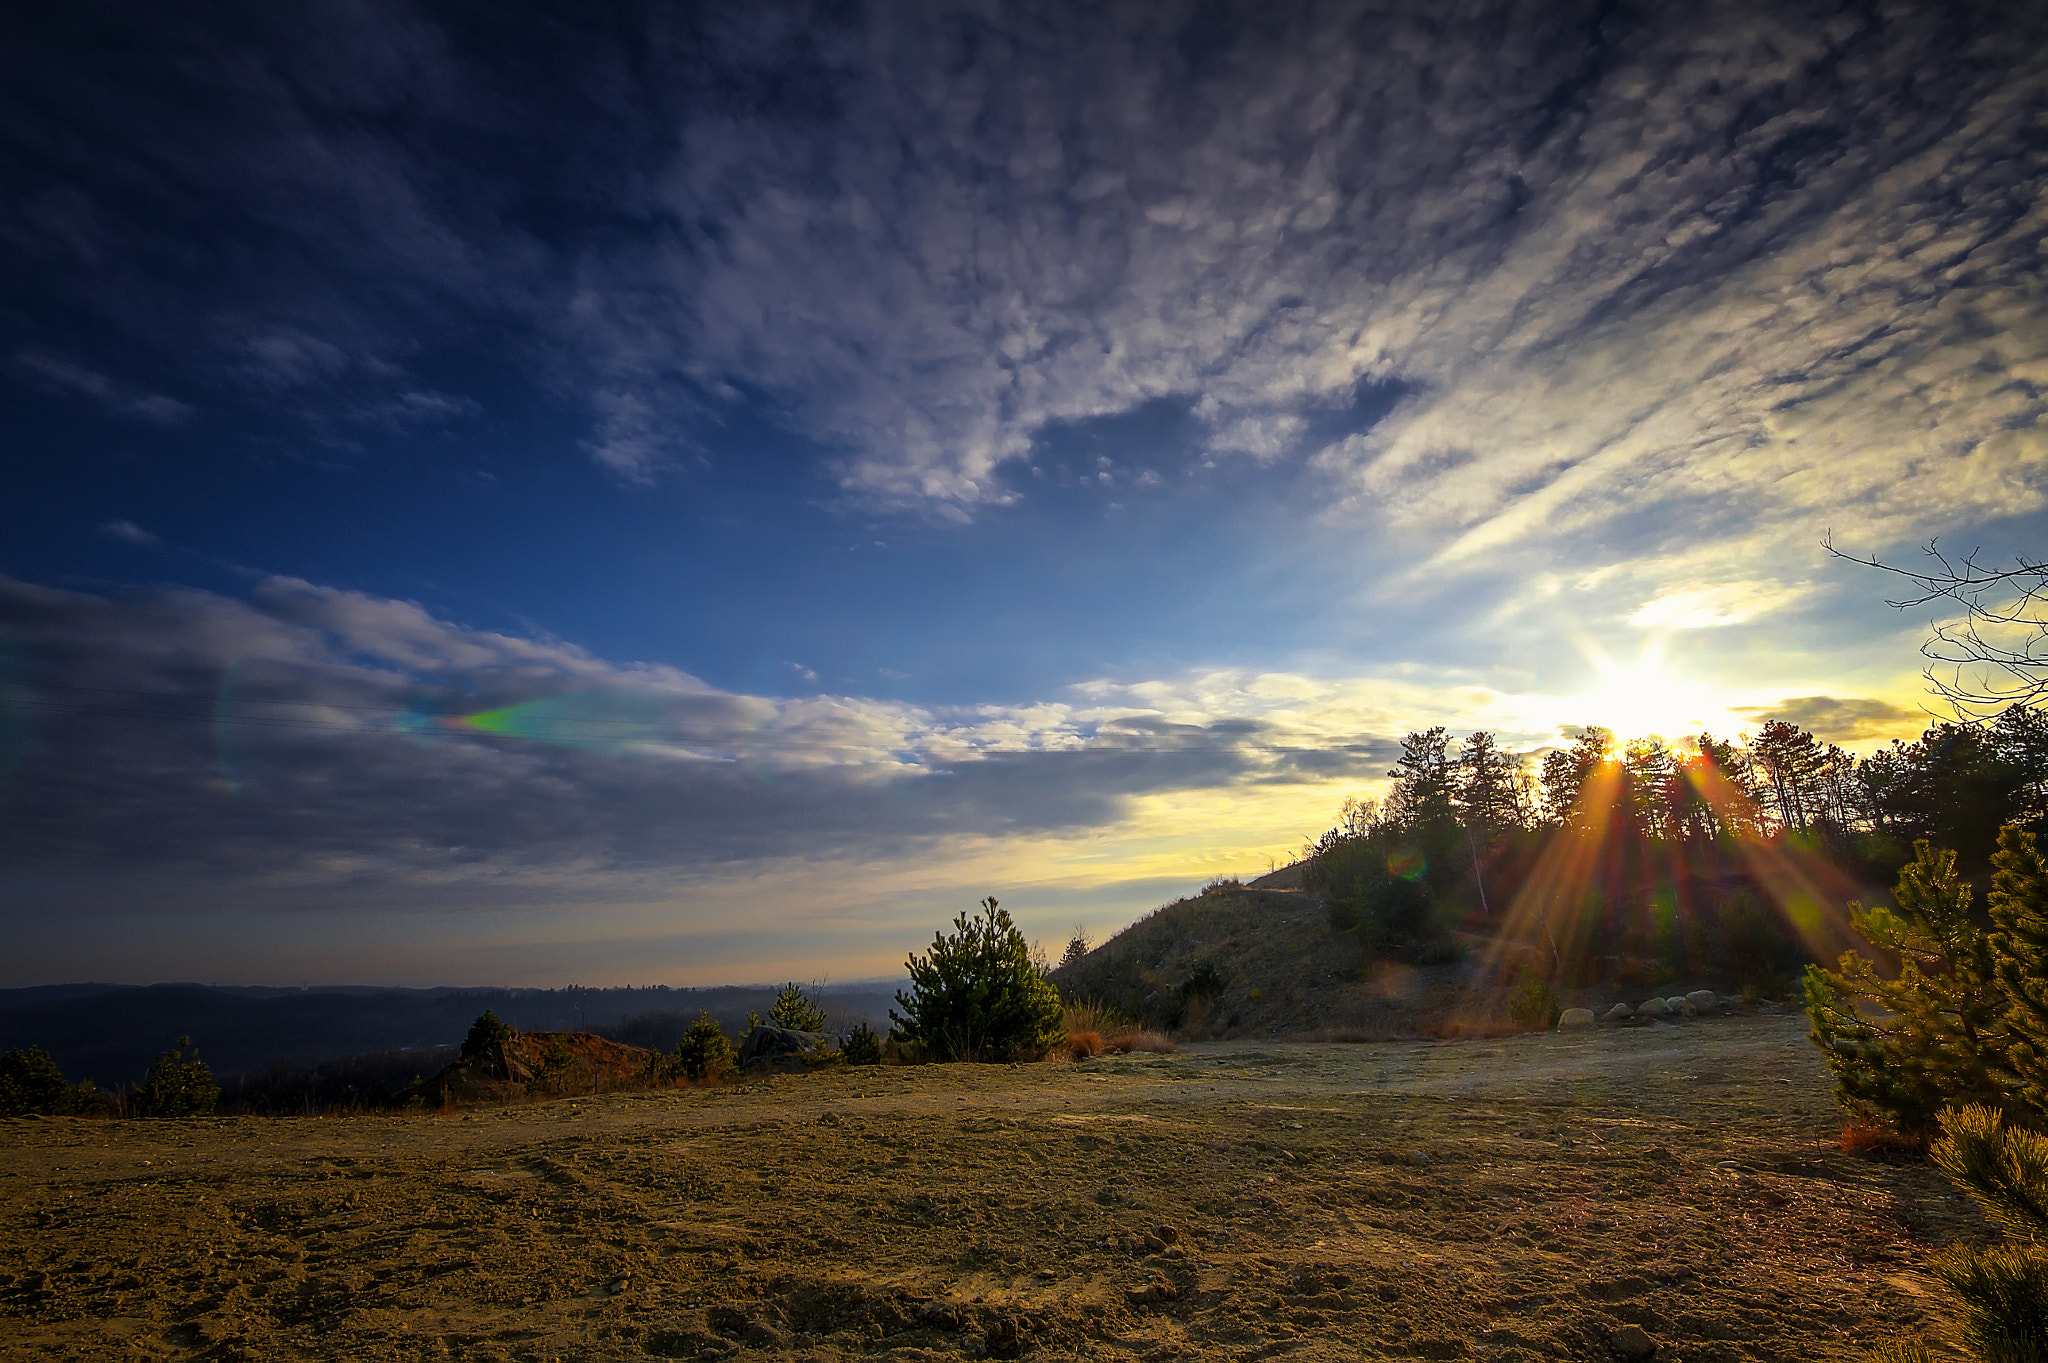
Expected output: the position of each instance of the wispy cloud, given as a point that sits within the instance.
(129, 532)
(118, 398)
(1678, 275)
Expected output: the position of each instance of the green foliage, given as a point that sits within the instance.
(862, 1046)
(1205, 981)
(796, 1010)
(487, 1042)
(704, 1052)
(1385, 905)
(1532, 1004)
(178, 1085)
(30, 1082)
(2019, 906)
(552, 1073)
(2004, 1291)
(1941, 1019)
(976, 995)
(1077, 950)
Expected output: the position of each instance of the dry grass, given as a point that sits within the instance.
(1081, 1045)
(1134, 1038)
(1881, 1143)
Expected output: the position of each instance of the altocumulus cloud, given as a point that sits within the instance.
(1672, 278)
(310, 736)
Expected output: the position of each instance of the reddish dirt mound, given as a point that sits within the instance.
(542, 1065)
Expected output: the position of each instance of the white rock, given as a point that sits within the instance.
(1703, 999)
(1575, 1018)
(1652, 1008)
(1620, 1012)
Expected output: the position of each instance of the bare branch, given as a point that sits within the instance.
(1979, 677)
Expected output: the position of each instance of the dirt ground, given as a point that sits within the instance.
(1523, 1199)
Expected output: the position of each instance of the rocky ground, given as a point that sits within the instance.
(1589, 1195)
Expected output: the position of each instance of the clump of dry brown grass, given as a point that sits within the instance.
(1081, 1045)
(1135, 1038)
(1866, 1140)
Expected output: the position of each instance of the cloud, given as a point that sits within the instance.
(1844, 719)
(128, 531)
(1728, 603)
(119, 398)
(1696, 274)
(314, 736)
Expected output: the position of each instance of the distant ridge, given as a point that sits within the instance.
(110, 1033)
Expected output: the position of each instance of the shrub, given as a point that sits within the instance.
(977, 996)
(551, 1075)
(2004, 1291)
(487, 1043)
(862, 1046)
(704, 1052)
(178, 1085)
(1081, 1045)
(30, 1082)
(1533, 1003)
(1205, 981)
(796, 1010)
(1935, 1028)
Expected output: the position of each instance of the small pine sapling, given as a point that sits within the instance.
(489, 1044)
(862, 1046)
(2004, 1291)
(704, 1052)
(2019, 906)
(795, 1010)
(977, 995)
(178, 1085)
(1944, 1016)
(30, 1082)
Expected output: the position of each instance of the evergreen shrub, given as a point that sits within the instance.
(976, 995)
(704, 1052)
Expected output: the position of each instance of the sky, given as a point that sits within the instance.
(695, 494)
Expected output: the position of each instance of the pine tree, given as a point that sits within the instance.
(2019, 906)
(178, 1085)
(796, 1010)
(977, 995)
(1946, 1011)
(489, 1042)
(2004, 1291)
(704, 1052)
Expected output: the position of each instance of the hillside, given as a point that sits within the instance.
(1281, 970)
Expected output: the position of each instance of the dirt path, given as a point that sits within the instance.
(1508, 1200)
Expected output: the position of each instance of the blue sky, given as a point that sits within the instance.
(704, 493)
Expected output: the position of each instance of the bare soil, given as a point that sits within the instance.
(1518, 1199)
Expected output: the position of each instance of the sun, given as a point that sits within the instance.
(1643, 698)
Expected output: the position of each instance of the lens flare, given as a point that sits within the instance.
(1407, 862)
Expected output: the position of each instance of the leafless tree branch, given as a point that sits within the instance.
(1979, 677)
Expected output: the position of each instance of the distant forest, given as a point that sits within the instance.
(267, 1042)
(1613, 859)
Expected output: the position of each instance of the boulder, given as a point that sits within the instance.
(1652, 1008)
(1575, 1018)
(1620, 1012)
(1703, 999)
(770, 1046)
(1680, 1005)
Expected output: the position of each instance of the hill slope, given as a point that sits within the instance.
(1280, 969)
